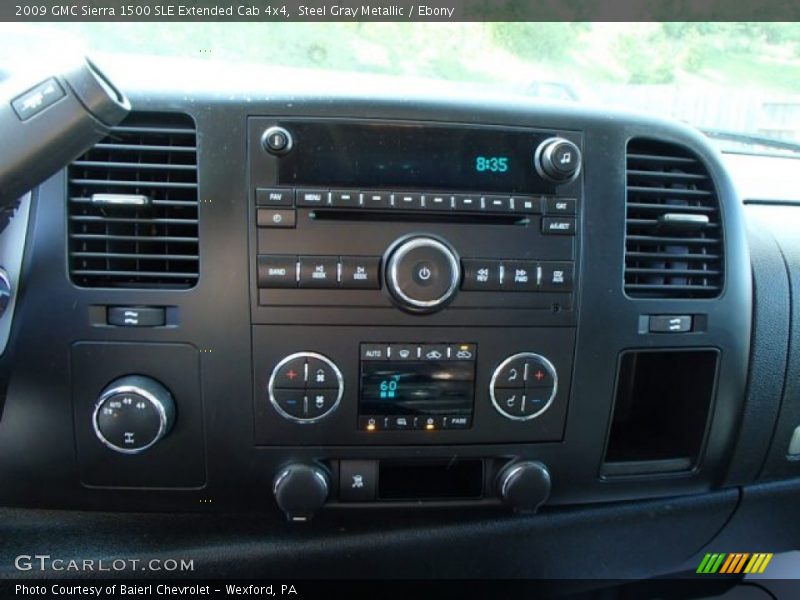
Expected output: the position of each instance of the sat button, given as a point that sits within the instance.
(563, 206)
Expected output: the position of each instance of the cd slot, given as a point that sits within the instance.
(324, 214)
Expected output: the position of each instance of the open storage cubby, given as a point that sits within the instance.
(661, 411)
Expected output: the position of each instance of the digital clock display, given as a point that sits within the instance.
(491, 164)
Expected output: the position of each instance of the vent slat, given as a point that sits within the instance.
(135, 238)
(96, 219)
(666, 293)
(660, 207)
(665, 175)
(132, 274)
(133, 255)
(661, 159)
(669, 191)
(148, 245)
(662, 260)
(144, 147)
(149, 130)
(154, 202)
(653, 223)
(662, 256)
(671, 272)
(133, 184)
(131, 165)
(653, 239)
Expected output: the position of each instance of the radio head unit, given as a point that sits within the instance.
(424, 217)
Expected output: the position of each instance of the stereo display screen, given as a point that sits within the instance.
(412, 156)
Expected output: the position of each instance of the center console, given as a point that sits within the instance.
(421, 280)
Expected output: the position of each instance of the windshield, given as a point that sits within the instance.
(740, 82)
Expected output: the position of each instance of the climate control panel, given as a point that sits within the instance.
(344, 385)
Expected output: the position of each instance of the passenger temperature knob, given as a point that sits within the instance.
(524, 485)
(558, 160)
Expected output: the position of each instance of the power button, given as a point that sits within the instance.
(423, 274)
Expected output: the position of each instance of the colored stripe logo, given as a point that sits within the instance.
(734, 563)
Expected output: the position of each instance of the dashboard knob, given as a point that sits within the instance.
(133, 413)
(524, 485)
(5, 291)
(277, 140)
(300, 491)
(558, 160)
(422, 274)
(523, 386)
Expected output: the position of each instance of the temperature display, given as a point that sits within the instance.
(425, 387)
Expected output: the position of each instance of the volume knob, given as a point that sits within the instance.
(422, 274)
(558, 160)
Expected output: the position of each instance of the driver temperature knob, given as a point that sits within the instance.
(557, 160)
(524, 485)
(300, 491)
(422, 274)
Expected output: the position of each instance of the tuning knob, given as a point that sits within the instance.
(524, 485)
(558, 160)
(422, 274)
(133, 413)
(300, 491)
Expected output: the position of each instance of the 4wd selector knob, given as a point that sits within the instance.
(133, 413)
(557, 159)
(422, 273)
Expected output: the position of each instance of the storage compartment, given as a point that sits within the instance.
(430, 479)
(663, 401)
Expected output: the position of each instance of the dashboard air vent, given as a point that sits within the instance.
(673, 232)
(133, 206)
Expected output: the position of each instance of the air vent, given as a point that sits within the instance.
(133, 206)
(673, 240)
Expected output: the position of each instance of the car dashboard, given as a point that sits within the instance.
(317, 329)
